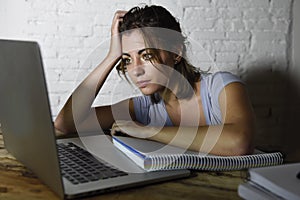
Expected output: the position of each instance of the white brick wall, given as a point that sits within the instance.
(250, 38)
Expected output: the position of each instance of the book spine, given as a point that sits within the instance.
(215, 163)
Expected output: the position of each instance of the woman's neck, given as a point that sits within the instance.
(170, 98)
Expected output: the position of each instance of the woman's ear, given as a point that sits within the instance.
(177, 60)
(178, 54)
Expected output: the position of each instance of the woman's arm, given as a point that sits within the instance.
(233, 138)
(78, 107)
(77, 111)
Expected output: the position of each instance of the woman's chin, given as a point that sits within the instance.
(150, 89)
(145, 92)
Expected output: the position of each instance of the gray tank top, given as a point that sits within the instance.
(155, 114)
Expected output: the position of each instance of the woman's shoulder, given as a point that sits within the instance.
(213, 83)
(220, 77)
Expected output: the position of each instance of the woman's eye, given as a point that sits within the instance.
(147, 56)
(126, 61)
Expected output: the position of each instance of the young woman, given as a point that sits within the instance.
(179, 104)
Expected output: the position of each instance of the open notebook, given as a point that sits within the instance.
(152, 156)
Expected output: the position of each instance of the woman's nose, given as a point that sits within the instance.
(138, 68)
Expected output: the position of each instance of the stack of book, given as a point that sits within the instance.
(276, 182)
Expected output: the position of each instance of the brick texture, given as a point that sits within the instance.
(250, 38)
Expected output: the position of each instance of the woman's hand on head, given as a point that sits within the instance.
(118, 17)
(115, 46)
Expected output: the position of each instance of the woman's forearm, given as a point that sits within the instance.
(224, 140)
(78, 106)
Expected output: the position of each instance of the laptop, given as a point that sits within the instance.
(29, 134)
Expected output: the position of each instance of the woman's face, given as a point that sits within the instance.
(148, 78)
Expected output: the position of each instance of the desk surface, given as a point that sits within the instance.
(17, 180)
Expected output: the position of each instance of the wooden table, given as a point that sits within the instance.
(16, 182)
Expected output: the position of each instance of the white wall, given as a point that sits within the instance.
(296, 36)
(250, 38)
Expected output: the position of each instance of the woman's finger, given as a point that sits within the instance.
(118, 17)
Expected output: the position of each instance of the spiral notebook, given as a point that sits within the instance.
(152, 156)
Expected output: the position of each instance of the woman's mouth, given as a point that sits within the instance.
(142, 84)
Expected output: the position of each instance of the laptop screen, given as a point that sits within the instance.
(25, 115)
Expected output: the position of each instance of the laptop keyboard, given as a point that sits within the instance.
(80, 166)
